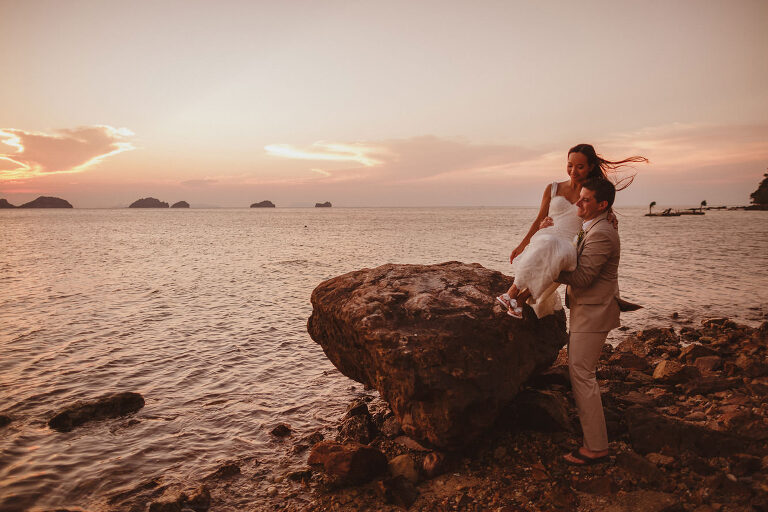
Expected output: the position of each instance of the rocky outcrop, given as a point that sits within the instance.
(326, 204)
(5, 204)
(434, 342)
(148, 202)
(47, 202)
(108, 406)
(263, 204)
(180, 204)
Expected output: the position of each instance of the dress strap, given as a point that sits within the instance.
(554, 189)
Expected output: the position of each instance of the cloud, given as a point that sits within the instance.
(26, 154)
(204, 182)
(405, 160)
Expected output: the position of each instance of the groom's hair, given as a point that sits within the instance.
(604, 190)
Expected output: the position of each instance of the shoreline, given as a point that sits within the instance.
(702, 387)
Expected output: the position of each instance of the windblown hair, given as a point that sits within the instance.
(602, 168)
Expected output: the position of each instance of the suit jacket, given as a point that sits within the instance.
(593, 287)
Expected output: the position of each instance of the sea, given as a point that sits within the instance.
(204, 312)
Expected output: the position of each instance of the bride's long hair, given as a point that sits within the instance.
(602, 168)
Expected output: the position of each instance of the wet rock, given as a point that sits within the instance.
(390, 427)
(708, 364)
(434, 464)
(405, 466)
(398, 491)
(542, 411)
(672, 372)
(107, 406)
(348, 463)
(629, 360)
(281, 430)
(199, 501)
(357, 408)
(652, 432)
(227, 470)
(4, 420)
(434, 342)
(357, 428)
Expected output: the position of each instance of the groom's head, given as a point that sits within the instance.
(597, 195)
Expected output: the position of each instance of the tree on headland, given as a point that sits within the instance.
(650, 206)
(760, 196)
(703, 204)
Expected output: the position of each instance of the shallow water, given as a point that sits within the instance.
(204, 313)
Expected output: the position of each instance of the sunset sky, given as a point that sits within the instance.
(363, 103)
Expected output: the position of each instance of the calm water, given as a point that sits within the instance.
(204, 313)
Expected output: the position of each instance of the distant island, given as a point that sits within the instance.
(760, 196)
(326, 204)
(148, 202)
(263, 204)
(40, 202)
(180, 204)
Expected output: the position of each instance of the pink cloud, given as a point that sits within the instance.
(26, 154)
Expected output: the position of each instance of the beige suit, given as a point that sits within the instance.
(593, 298)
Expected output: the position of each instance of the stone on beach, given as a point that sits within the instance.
(349, 463)
(434, 342)
(107, 406)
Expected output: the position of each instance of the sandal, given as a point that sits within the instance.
(585, 461)
(511, 304)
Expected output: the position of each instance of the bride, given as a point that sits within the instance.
(550, 245)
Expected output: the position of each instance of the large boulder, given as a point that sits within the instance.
(434, 342)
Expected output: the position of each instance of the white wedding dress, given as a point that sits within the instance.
(550, 251)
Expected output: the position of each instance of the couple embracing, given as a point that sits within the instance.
(574, 240)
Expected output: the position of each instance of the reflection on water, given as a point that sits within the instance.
(204, 313)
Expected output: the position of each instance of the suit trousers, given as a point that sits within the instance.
(584, 350)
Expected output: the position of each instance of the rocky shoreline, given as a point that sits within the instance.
(687, 417)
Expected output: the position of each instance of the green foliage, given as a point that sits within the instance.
(760, 196)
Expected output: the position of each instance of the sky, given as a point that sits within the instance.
(370, 103)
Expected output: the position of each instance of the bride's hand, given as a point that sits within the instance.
(546, 222)
(517, 251)
(613, 219)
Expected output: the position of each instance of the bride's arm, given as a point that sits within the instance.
(543, 212)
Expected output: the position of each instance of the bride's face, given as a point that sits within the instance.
(578, 168)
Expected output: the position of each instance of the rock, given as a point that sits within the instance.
(227, 470)
(47, 202)
(300, 476)
(349, 463)
(390, 427)
(357, 428)
(357, 408)
(659, 459)
(326, 204)
(639, 467)
(434, 342)
(263, 204)
(434, 464)
(629, 360)
(200, 501)
(708, 364)
(148, 202)
(672, 372)
(281, 430)
(405, 466)
(180, 204)
(694, 351)
(647, 501)
(707, 385)
(743, 464)
(107, 406)
(601, 485)
(4, 420)
(542, 411)
(751, 367)
(398, 491)
(5, 204)
(652, 432)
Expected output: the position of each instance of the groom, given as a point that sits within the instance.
(593, 298)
